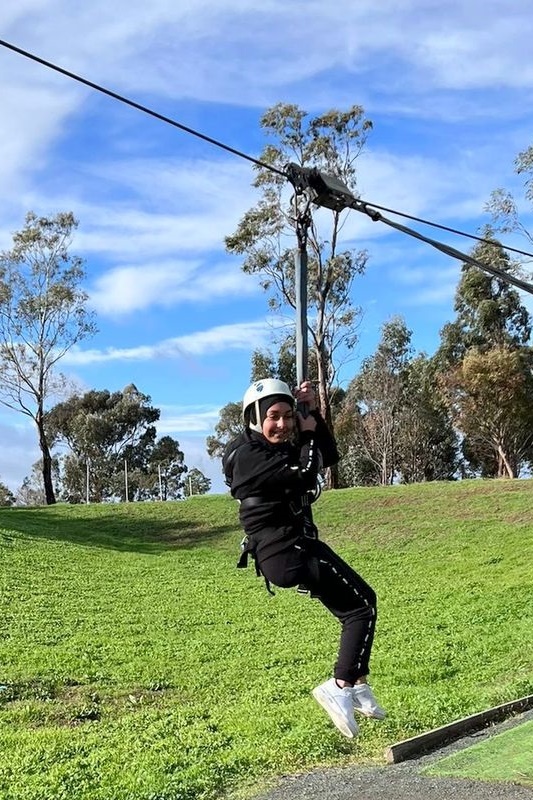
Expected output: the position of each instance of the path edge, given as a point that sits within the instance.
(424, 742)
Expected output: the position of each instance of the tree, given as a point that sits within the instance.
(229, 425)
(198, 483)
(280, 362)
(491, 395)
(104, 432)
(356, 468)
(282, 365)
(42, 315)
(502, 205)
(490, 320)
(31, 491)
(7, 498)
(489, 311)
(166, 470)
(266, 234)
(374, 400)
(427, 447)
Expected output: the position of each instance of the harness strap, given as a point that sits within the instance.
(248, 548)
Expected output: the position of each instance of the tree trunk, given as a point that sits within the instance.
(383, 467)
(507, 471)
(47, 465)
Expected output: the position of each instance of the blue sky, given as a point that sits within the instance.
(448, 86)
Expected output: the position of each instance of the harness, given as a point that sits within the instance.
(299, 508)
(249, 550)
(249, 543)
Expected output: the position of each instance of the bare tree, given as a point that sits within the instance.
(42, 315)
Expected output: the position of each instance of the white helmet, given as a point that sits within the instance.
(267, 387)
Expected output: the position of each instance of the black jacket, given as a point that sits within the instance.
(272, 482)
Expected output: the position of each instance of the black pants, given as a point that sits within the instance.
(341, 590)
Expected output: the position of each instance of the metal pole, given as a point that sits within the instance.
(300, 285)
(87, 483)
(190, 486)
(160, 483)
(303, 220)
(126, 478)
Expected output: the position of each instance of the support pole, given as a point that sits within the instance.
(303, 221)
(300, 285)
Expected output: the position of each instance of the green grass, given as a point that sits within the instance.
(140, 664)
(506, 757)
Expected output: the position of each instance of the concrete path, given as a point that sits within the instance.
(389, 783)
(401, 781)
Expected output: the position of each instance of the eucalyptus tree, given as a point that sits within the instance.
(427, 444)
(31, 490)
(229, 425)
(197, 482)
(491, 331)
(107, 434)
(503, 206)
(42, 316)
(374, 400)
(279, 362)
(166, 469)
(491, 398)
(266, 237)
(489, 310)
(7, 498)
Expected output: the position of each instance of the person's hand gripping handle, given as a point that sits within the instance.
(305, 403)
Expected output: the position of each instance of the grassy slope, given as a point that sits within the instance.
(506, 757)
(141, 665)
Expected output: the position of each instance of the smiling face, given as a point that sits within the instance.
(278, 423)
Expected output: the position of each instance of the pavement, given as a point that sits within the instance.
(390, 783)
(401, 781)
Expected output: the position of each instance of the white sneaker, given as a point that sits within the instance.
(365, 703)
(338, 703)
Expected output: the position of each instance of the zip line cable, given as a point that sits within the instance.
(138, 106)
(234, 151)
(376, 216)
(446, 228)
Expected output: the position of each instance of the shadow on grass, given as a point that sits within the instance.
(113, 528)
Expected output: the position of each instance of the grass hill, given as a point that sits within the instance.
(137, 662)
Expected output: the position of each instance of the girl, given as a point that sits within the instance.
(272, 470)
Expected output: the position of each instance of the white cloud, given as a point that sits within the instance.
(225, 51)
(427, 186)
(149, 208)
(245, 336)
(127, 289)
(174, 206)
(187, 419)
(480, 49)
